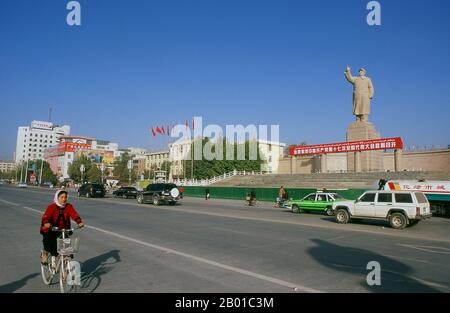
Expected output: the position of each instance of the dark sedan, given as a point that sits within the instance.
(125, 192)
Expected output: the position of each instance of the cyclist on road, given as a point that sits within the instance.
(282, 197)
(57, 214)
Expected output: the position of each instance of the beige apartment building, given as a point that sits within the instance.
(7, 166)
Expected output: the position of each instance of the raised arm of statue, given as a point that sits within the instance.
(371, 89)
(348, 76)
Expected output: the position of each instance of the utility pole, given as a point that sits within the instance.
(21, 170)
(26, 172)
(82, 168)
(102, 169)
(192, 159)
(130, 165)
(40, 172)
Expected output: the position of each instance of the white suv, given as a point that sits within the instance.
(400, 208)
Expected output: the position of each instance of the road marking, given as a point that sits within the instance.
(432, 249)
(295, 287)
(10, 203)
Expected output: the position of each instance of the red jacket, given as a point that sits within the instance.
(51, 216)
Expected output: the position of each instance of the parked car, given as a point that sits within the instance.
(319, 202)
(400, 208)
(47, 184)
(159, 193)
(125, 192)
(91, 190)
(22, 185)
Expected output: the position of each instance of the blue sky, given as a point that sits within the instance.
(135, 64)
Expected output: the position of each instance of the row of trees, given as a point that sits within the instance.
(21, 173)
(205, 168)
(91, 172)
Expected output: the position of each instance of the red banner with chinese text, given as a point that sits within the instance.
(351, 146)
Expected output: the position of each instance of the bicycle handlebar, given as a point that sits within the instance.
(64, 230)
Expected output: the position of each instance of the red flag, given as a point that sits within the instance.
(163, 130)
(158, 130)
(153, 132)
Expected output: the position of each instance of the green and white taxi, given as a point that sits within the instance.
(318, 202)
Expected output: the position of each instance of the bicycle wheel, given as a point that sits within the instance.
(65, 281)
(47, 273)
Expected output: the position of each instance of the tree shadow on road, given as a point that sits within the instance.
(16, 285)
(395, 276)
(93, 269)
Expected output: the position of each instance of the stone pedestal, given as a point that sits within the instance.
(365, 161)
(398, 155)
(323, 163)
(293, 164)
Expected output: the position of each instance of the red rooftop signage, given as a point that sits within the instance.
(352, 146)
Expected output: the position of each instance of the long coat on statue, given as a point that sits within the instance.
(362, 93)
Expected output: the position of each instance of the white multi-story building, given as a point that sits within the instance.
(136, 151)
(270, 152)
(105, 145)
(178, 152)
(7, 166)
(33, 140)
(155, 160)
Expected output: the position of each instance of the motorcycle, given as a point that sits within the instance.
(280, 203)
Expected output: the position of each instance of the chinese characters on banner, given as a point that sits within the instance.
(351, 146)
(427, 187)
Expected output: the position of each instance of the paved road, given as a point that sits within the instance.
(221, 246)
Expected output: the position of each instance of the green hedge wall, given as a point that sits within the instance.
(262, 194)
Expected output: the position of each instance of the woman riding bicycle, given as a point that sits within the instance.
(57, 214)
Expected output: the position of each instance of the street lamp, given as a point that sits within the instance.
(130, 166)
(102, 167)
(82, 168)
